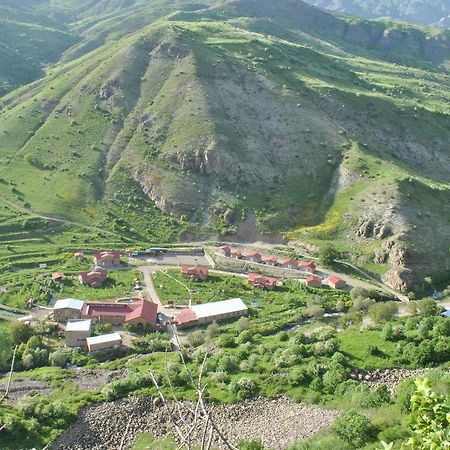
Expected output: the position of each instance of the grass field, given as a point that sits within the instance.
(354, 344)
(146, 441)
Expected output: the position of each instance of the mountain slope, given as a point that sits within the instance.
(28, 42)
(425, 12)
(234, 115)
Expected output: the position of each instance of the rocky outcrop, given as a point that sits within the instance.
(368, 229)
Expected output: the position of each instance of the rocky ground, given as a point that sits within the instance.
(390, 377)
(22, 388)
(278, 423)
(95, 379)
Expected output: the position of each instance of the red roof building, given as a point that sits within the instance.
(94, 277)
(107, 259)
(58, 276)
(259, 281)
(235, 253)
(226, 251)
(336, 282)
(254, 257)
(79, 256)
(291, 263)
(271, 260)
(141, 313)
(314, 282)
(307, 266)
(186, 318)
(196, 273)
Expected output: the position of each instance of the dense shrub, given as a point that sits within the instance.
(243, 388)
(353, 428)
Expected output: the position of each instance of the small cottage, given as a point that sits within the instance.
(314, 282)
(307, 266)
(336, 282)
(254, 257)
(76, 332)
(107, 259)
(291, 263)
(271, 260)
(195, 273)
(259, 281)
(103, 342)
(67, 309)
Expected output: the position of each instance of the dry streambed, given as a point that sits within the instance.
(278, 423)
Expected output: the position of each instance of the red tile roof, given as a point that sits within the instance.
(291, 261)
(307, 264)
(272, 258)
(57, 275)
(312, 278)
(253, 254)
(261, 279)
(185, 316)
(143, 310)
(335, 280)
(197, 270)
(140, 309)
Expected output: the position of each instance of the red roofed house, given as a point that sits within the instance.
(58, 276)
(78, 256)
(271, 260)
(259, 281)
(94, 277)
(226, 251)
(291, 263)
(307, 266)
(141, 313)
(336, 282)
(107, 259)
(314, 282)
(254, 257)
(197, 273)
(235, 253)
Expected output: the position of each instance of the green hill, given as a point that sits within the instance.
(425, 12)
(240, 117)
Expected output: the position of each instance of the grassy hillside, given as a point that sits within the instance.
(426, 12)
(243, 113)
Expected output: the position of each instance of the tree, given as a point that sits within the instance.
(21, 332)
(358, 292)
(428, 307)
(328, 255)
(383, 312)
(430, 419)
(243, 324)
(353, 428)
(58, 358)
(6, 349)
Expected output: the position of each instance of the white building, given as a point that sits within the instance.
(103, 342)
(67, 309)
(210, 312)
(77, 331)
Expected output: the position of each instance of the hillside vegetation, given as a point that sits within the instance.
(174, 118)
(426, 12)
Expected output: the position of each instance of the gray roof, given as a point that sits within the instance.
(219, 308)
(69, 303)
(104, 338)
(79, 325)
